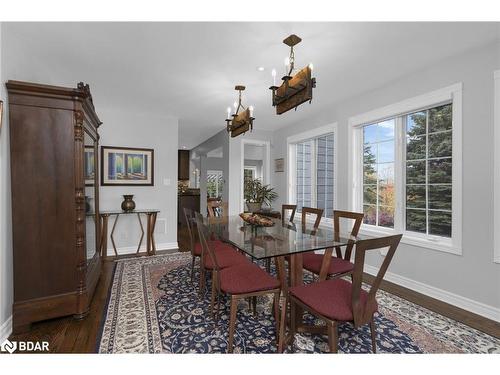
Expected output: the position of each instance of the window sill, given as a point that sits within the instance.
(427, 242)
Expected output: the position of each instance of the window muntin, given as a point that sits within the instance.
(378, 173)
(428, 171)
(426, 179)
(314, 181)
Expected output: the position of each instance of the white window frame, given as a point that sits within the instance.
(291, 173)
(452, 94)
(496, 251)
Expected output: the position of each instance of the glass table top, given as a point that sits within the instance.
(136, 211)
(284, 238)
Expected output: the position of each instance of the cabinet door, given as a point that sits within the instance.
(90, 168)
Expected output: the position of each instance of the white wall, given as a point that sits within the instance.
(126, 128)
(471, 279)
(122, 127)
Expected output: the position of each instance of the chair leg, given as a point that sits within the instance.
(373, 333)
(214, 287)
(276, 307)
(232, 323)
(293, 323)
(202, 280)
(254, 306)
(217, 309)
(192, 268)
(282, 338)
(333, 337)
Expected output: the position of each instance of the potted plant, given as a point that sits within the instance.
(257, 193)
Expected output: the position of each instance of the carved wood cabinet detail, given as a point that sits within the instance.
(55, 201)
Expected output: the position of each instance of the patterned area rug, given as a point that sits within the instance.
(155, 308)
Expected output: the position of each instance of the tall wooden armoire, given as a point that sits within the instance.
(55, 201)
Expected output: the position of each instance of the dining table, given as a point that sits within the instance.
(283, 241)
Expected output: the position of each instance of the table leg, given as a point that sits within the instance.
(148, 234)
(296, 279)
(112, 235)
(104, 236)
(142, 233)
(153, 225)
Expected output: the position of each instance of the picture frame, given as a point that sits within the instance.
(279, 165)
(89, 165)
(127, 166)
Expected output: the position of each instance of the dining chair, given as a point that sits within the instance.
(288, 207)
(239, 281)
(194, 245)
(218, 258)
(327, 266)
(339, 300)
(306, 211)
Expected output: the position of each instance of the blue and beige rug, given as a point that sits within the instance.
(154, 307)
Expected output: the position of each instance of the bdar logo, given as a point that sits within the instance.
(8, 346)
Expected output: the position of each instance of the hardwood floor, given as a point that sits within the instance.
(67, 335)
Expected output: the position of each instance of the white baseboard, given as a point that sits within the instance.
(133, 249)
(468, 304)
(6, 329)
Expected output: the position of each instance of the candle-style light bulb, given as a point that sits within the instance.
(228, 113)
(235, 105)
(273, 73)
(250, 109)
(287, 63)
(311, 66)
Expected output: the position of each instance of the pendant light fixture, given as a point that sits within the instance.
(297, 86)
(239, 122)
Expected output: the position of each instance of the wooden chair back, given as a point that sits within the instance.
(363, 313)
(189, 216)
(288, 207)
(311, 211)
(204, 235)
(217, 209)
(358, 220)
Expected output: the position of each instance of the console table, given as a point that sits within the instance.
(150, 227)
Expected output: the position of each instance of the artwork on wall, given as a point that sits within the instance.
(127, 166)
(89, 165)
(279, 165)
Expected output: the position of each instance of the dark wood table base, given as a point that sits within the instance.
(150, 228)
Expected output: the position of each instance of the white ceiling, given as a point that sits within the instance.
(189, 70)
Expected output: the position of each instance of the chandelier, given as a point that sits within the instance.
(239, 122)
(295, 89)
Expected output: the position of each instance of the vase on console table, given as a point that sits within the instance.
(128, 204)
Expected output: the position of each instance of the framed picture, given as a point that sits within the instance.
(89, 165)
(127, 166)
(279, 165)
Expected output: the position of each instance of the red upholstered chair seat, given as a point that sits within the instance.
(330, 298)
(246, 278)
(226, 257)
(312, 262)
(216, 244)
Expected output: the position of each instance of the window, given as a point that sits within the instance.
(312, 171)
(429, 171)
(215, 184)
(378, 174)
(407, 169)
